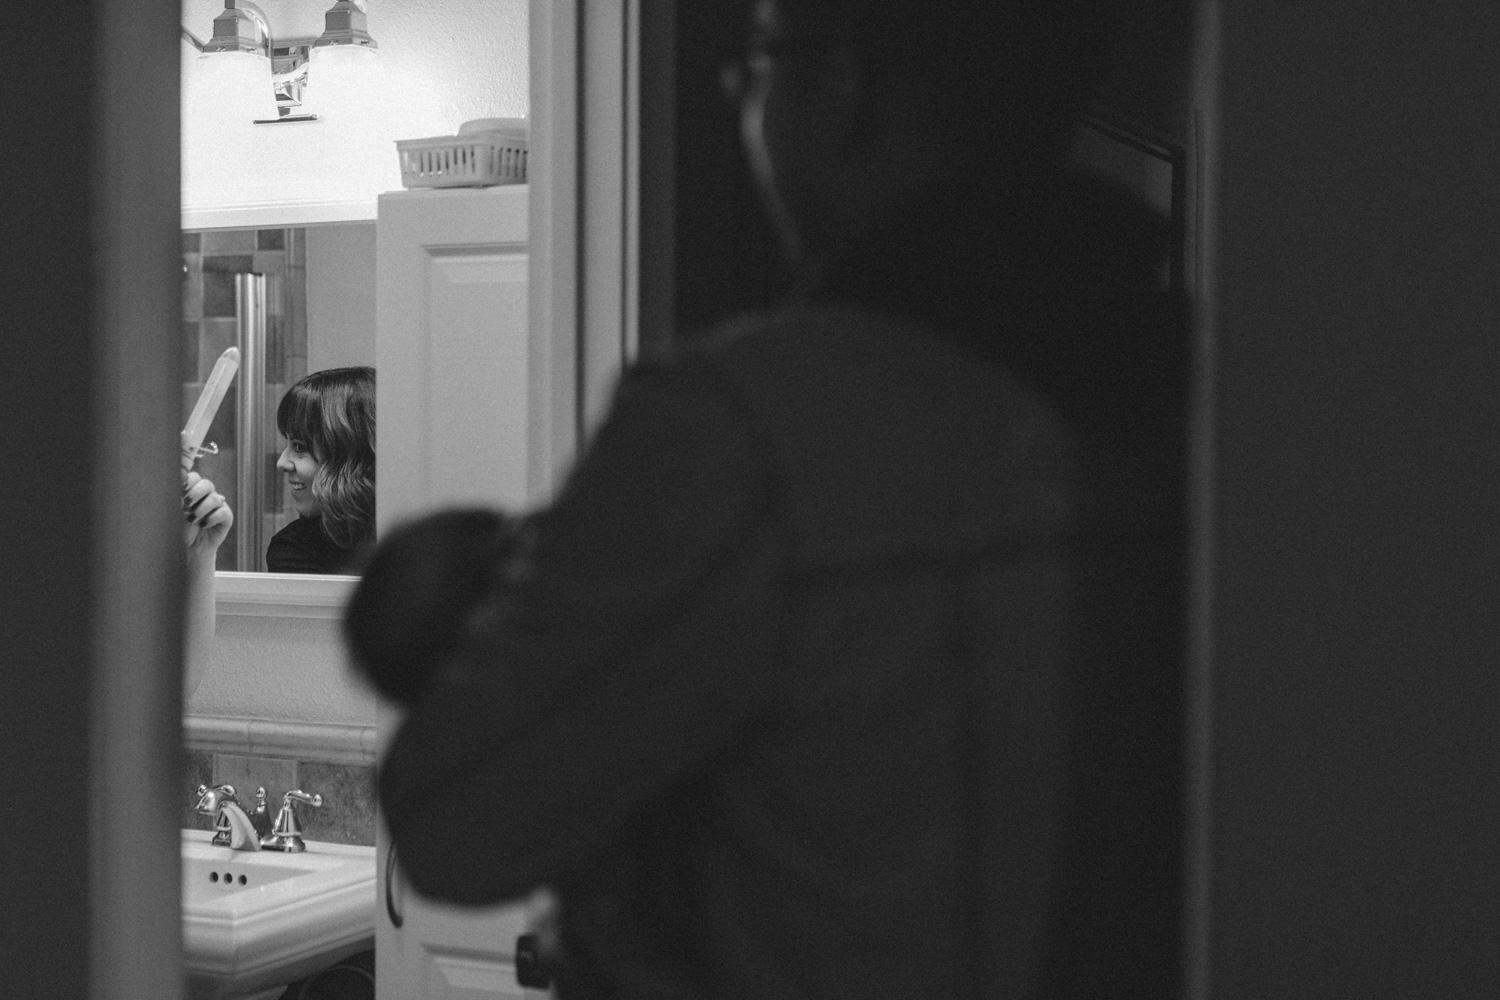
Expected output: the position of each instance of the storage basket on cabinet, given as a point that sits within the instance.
(477, 159)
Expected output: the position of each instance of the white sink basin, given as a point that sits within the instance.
(253, 921)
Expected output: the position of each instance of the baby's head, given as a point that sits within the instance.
(409, 614)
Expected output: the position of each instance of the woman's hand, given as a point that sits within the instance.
(206, 515)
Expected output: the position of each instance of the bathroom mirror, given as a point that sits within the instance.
(293, 300)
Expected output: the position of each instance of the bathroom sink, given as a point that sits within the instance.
(253, 921)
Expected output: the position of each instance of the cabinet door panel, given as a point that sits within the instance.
(458, 414)
(477, 453)
(455, 361)
(449, 953)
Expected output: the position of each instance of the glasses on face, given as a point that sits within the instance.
(742, 69)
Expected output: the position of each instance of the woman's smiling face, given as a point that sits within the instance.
(300, 464)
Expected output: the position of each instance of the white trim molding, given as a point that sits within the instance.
(552, 306)
(318, 741)
(282, 595)
(584, 174)
(277, 214)
(608, 189)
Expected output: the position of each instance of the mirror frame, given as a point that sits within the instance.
(282, 595)
(278, 215)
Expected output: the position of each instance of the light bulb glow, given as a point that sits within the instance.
(236, 85)
(343, 80)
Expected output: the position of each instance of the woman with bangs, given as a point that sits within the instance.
(328, 421)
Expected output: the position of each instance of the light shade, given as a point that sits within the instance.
(343, 81)
(233, 85)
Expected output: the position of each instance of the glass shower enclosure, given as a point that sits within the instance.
(245, 288)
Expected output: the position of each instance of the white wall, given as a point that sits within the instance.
(286, 669)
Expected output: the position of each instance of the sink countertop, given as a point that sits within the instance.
(256, 919)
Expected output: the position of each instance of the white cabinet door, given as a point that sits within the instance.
(455, 362)
(445, 952)
(462, 406)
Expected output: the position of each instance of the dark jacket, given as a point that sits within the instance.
(304, 547)
(822, 674)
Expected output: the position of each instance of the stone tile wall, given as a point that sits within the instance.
(347, 815)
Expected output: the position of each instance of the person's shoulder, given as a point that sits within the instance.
(800, 338)
(846, 347)
(292, 537)
(867, 365)
(298, 530)
(803, 325)
(300, 547)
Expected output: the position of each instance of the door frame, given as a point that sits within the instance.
(587, 79)
(133, 605)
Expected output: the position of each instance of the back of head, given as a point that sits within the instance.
(1006, 250)
(1005, 82)
(408, 615)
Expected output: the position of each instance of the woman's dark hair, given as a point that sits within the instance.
(410, 612)
(333, 413)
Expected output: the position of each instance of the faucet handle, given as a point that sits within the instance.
(313, 800)
(286, 835)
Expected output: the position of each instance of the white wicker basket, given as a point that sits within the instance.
(477, 159)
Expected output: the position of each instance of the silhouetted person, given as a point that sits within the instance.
(842, 663)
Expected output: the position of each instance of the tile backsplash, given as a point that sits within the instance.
(347, 815)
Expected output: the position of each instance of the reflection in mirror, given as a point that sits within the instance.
(294, 300)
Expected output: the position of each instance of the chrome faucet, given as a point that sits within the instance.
(232, 826)
(260, 816)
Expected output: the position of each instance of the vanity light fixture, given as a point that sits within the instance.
(242, 55)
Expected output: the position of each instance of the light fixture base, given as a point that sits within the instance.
(346, 23)
(289, 75)
(241, 27)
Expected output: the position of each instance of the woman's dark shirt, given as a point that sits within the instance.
(303, 547)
